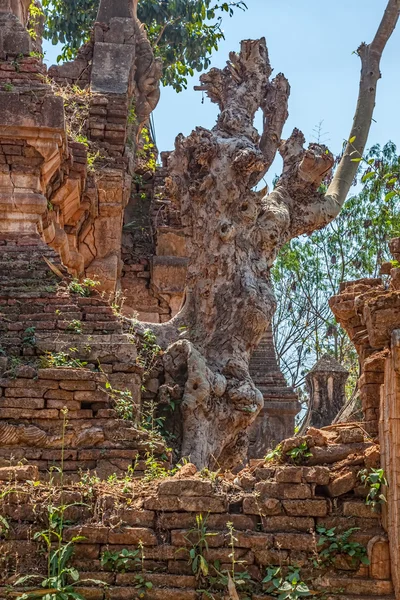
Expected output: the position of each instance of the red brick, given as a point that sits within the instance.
(133, 535)
(253, 505)
(185, 487)
(358, 509)
(70, 405)
(185, 538)
(70, 374)
(91, 533)
(78, 385)
(284, 523)
(306, 508)
(293, 541)
(11, 413)
(29, 403)
(253, 540)
(24, 392)
(289, 474)
(59, 395)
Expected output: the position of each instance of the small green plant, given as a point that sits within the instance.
(149, 350)
(88, 482)
(50, 360)
(299, 454)
(92, 158)
(28, 338)
(198, 540)
(150, 420)
(75, 326)
(147, 150)
(154, 468)
(375, 479)
(8, 87)
(4, 524)
(205, 473)
(83, 288)
(132, 117)
(38, 55)
(330, 545)
(121, 560)
(275, 454)
(35, 14)
(289, 587)
(123, 402)
(212, 576)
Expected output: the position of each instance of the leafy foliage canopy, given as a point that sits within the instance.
(184, 33)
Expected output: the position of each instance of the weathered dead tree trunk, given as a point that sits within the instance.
(234, 234)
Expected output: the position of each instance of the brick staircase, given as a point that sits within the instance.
(58, 350)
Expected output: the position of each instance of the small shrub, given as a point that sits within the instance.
(374, 479)
(123, 402)
(83, 288)
(299, 454)
(51, 360)
(120, 561)
(274, 454)
(75, 326)
(28, 338)
(289, 587)
(331, 544)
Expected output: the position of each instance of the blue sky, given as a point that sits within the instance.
(311, 42)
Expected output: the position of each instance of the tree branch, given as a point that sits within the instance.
(370, 61)
(275, 109)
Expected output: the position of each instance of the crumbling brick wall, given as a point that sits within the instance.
(274, 508)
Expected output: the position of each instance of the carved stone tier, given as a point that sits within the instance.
(32, 142)
(276, 420)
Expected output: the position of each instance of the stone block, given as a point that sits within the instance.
(24, 392)
(185, 538)
(358, 509)
(269, 489)
(17, 413)
(285, 523)
(253, 505)
(109, 9)
(254, 540)
(136, 518)
(379, 558)
(344, 483)
(306, 508)
(169, 273)
(318, 475)
(289, 474)
(112, 68)
(59, 395)
(69, 404)
(185, 487)
(19, 473)
(125, 593)
(90, 533)
(28, 403)
(270, 557)
(133, 535)
(297, 490)
(63, 373)
(293, 541)
(17, 111)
